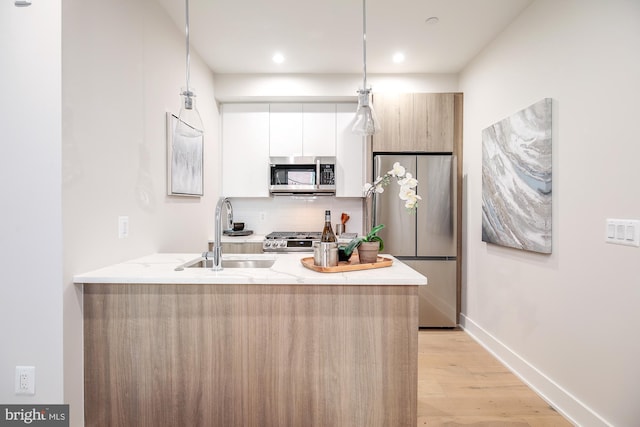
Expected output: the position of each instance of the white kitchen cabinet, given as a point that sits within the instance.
(245, 150)
(285, 130)
(350, 154)
(302, 130)
(319, 129)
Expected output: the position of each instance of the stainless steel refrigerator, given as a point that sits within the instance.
(426, 240)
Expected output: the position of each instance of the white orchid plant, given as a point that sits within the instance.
(407, 192)
(405, 180)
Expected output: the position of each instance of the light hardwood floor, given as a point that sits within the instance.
(461, 384)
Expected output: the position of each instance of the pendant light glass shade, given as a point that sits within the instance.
(189, 122)
(365, 122)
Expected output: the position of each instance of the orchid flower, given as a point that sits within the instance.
(408, 181)
(397, 171)
(405, 180)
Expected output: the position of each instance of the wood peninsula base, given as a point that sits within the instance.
(250, 355)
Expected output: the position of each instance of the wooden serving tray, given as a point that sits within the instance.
(352, 265)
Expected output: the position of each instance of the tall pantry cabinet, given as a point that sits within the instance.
(424, 123)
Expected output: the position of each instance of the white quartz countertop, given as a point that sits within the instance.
(287, 269)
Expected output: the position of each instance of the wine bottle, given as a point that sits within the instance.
(327, 231)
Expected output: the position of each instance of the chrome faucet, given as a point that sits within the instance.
(217, 244)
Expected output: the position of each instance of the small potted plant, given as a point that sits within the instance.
(368, 246)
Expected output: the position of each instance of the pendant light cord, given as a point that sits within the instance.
(364, 43)
(187, 37)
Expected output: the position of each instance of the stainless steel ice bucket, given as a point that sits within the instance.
(325, 254)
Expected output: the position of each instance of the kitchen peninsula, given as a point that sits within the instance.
(277, 346)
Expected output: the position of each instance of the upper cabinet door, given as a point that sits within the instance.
(440, 121)
(387, 108)
(302, 130)
(319, 129)
(350, 154)
(418, 122)
(285, 130)
(245, 150)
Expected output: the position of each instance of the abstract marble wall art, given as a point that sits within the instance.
(516, 180)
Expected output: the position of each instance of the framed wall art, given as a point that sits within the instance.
(516, 180)
(185, 162)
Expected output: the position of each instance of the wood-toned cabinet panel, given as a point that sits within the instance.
(250, 355)
(387, 108)
(420, 122)
(241, 248)
(440, 121)
(413, 122)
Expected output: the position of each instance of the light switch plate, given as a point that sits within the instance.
(123, 227)
(622, 232)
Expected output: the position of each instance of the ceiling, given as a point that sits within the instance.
(241, 36)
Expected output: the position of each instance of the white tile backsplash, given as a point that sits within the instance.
(290, 213)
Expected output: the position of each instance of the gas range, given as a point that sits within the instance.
(290, 241)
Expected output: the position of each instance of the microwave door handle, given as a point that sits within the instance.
(318, 174)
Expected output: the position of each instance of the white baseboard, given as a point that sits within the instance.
(558, 398)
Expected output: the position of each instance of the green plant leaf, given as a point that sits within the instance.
(374, 231)
(377, 239)
(372, 236)
(353, 244)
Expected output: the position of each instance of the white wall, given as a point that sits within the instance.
(323, 87)
(31, 229)
(123, 67)
(567, 322)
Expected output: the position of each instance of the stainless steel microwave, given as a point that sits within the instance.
(303, 175)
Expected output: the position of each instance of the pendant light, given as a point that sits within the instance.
(189, 122)
(365, 122)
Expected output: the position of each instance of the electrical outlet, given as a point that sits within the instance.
(26, 380)
(263, 216)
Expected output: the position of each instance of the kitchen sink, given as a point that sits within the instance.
(239, 262)
(247, 263)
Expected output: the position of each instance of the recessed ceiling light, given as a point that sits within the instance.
(398, 57)
(432, 20)
(278, 58)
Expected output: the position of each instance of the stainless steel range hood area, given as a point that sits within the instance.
(302, 175)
